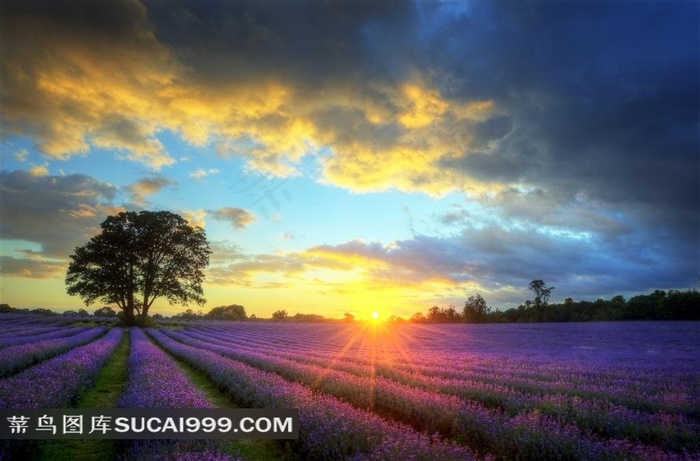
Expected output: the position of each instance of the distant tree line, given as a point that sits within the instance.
(105, 311)
(659, 305)
(230, 312)
(283, 316)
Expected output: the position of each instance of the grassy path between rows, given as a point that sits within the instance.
(109, 386)
(105, 393)
(255, 450)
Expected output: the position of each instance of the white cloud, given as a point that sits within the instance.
(201, 173)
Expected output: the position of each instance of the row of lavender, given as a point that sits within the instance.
(55, 383)
(30, 351)
(155, 381)
(539, 415)
(19, 329)
(13, 325)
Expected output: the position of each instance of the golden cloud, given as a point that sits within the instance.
(195, 217)
(39, 170)
(147, 186)
(237, 217)
(70, 87)
(74, 94)
(32, 268)
(424, 107)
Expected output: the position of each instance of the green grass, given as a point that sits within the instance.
(257, 450)
(85, 323)
(105, 393)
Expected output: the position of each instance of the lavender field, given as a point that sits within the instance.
(589, 391)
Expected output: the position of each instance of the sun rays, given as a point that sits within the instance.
(374, 347)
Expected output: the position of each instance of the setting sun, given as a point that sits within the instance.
(375, 315)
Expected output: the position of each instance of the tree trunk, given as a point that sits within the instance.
(129, 319)
(146, 304)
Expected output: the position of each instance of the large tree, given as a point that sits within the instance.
(137, 258)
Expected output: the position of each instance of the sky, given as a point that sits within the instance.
(358, 156)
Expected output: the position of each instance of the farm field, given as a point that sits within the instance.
(588, 391)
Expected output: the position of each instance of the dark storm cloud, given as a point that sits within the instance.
(306, 42)
(602, 99)
(601, 105)
(56, 212)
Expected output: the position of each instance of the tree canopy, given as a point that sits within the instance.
(232, 312)
(138, 258)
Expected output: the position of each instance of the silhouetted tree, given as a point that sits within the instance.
(188, 314)
(418, 317)
(395, 319)
(299, 317)
(539, 305)
(280, 315)
(475, 309)
(232, 312)
(450, 315)
(541, 291)
(105, 311)
(148, 255)
(433, 314)
(444, 315)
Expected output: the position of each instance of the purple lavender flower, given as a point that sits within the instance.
(155, 381)
(56, 382)
(329, 428)
(14, 358)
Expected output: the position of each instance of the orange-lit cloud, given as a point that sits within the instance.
(147, 186)
(356, 267)
(424, 107)
(76, 89)
(237, 217)
(70, 84)
(32, 268)
(39, 170)
(195, 217)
